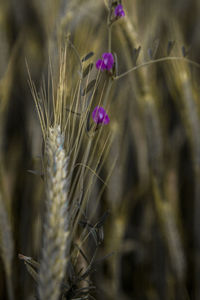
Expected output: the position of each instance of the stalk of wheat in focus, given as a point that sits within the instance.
(63, 123)
(56, 228)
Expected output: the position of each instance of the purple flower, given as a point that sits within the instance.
(119, 11)
(106, 63)
(100, 64)
(100, 116)
(108, 60)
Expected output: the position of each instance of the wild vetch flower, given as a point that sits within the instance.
(100, 64)
(100, 116)
(119, 11)
(106, 63)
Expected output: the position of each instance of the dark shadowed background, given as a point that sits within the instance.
(153, 194)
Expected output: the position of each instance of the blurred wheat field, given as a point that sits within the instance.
(92, 211)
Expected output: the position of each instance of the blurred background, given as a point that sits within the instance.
(153, 194)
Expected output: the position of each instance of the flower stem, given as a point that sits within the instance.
(109, 38)
(109, 24)
(110, 82)
(157, 61)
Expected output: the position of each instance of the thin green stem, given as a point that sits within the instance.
(157, 61)
(109, 24)
(85, 160)
(109, 38)
(110, 82)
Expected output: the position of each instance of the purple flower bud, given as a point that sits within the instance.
(119, 11)
(106, 63)
(100, 116)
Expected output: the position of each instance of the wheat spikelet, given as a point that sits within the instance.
(55, 243)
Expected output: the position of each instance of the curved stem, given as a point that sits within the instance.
(157, 61)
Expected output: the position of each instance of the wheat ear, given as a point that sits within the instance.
(56, 231)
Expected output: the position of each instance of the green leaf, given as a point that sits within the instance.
(87, 70)
(170, 47)
(184, 51)
(114, 3)
(32, 272)
(29, 260)
(153, 51)
(136, 53)
(87, 56)
(89, 87)
(116, 64)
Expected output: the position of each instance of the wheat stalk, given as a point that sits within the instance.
(6, 246)
(56, 231)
